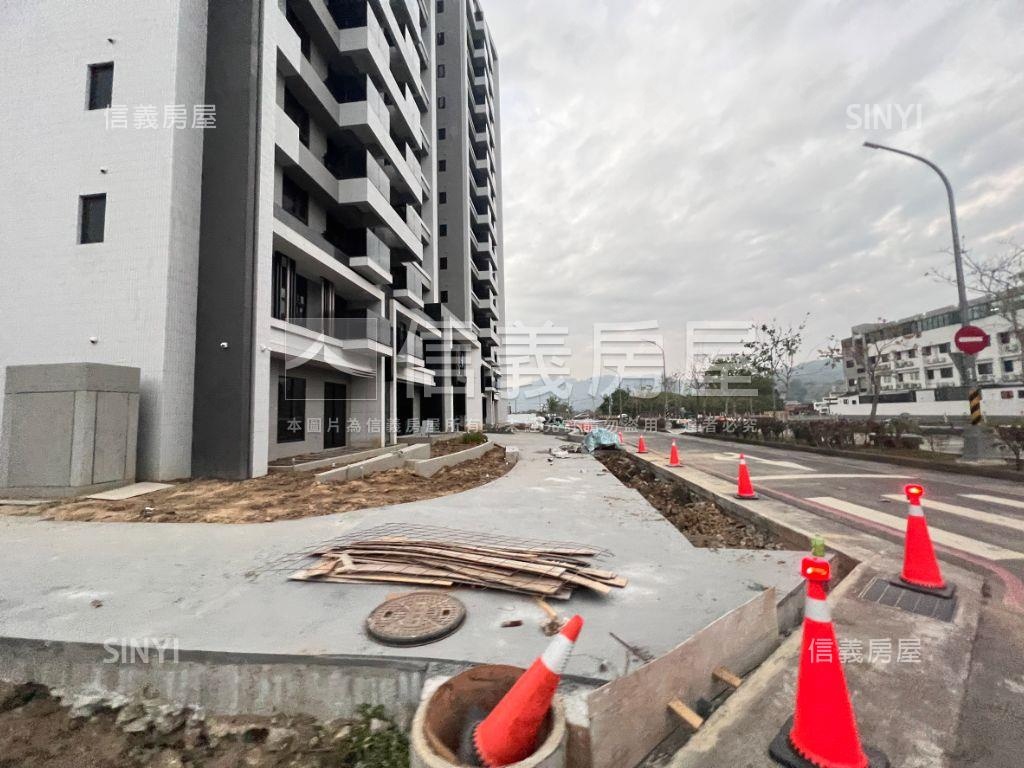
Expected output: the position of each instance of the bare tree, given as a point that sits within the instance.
(773, 352)
(1000, 279)
(869, 356)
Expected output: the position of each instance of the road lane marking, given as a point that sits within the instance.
(970, 514)
(824, 477)
(773, 462)
(939, 536)
(1015, 503)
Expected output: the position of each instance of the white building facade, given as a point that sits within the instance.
(915, 362)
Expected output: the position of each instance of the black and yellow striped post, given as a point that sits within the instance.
(975, 400)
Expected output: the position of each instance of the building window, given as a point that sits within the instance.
(440, 70)
(926, 351)
(295, 200)
(1007, 366)
(300, 302)
(443, 262)
(1004, 337)
(442, 198)
(930, 375)
(911, 354)
(444, 297)
(946, 373)
(441, 102)
(92, 218)
(440, 6)
(1020, 393)
(944, 349)
(442, 166)
(984, 369)
(440, 38)
(849, 363)
(291, 409)
(101, 85)
(443, 230)
(282, 276)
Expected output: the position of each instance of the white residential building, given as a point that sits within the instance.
(240, 199)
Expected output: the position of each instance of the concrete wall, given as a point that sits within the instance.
(134, 292)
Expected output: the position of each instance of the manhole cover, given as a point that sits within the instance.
(884, 592)
(415, 619)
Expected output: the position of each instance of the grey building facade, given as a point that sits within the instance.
(272, 272)
(471, 270)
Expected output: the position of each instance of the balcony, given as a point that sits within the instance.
(364, 330)
(939, 359)
(375, 263)
(410, 350)
(408, 286)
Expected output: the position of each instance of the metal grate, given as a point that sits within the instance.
(880, 590)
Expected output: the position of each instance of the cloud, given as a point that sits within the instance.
(694, 161)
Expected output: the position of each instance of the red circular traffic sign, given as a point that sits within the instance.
(971, 339)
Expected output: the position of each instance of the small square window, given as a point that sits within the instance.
(442, 198)
(441, 102)
(442, 166)
(1020, 393)
(441, 133)
(92, 215)
(440, 70)
(1007, 366)
(443, 230)
(101, 85)
(443, 262)
(440, 38)
(444, 297)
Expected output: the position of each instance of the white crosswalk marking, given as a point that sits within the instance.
(1015, 503)
(971, 514)
(939, 536)
(772, 462)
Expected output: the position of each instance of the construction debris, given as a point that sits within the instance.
(550, 571)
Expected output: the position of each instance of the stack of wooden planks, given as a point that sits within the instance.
(542, 571)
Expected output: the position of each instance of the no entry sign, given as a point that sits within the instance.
(971, 339)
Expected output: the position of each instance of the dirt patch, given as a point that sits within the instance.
(448, 447)
(276, 496)
(37, 731)
(700, 521)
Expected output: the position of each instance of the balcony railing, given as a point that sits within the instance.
(371, 327)
(412, 347)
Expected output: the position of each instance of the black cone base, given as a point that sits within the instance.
(782, 752)
(946, 592)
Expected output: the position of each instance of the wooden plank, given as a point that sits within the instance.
(500, 562)
(686, 714)
(727, 677)
(590, 584)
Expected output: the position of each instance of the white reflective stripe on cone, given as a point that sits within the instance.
(916, 511)
(556, 655)
(816, 609)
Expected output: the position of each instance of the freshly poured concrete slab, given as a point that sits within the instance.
(224, 587)
(129, 491)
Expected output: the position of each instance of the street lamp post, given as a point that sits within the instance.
(664, 380)
(980, 444)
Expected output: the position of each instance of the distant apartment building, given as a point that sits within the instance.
(914, 361)
(471, 268)
(241, 199)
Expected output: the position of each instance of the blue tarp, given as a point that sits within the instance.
(600, 438)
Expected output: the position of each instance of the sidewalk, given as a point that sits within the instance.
(212, 587)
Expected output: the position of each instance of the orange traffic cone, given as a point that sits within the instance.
(641, 446)
(673, 455)
(920, 566)
(509, 733)
(823, 731)
(744, 488)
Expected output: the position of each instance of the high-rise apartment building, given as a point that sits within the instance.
(241, 198)
(471, 272)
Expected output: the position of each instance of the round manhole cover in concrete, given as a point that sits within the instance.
(415, 619)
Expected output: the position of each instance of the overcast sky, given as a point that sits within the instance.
(701, 160)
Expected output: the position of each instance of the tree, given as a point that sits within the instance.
(868, 354)
(1000, 279)
(773, 352)
(556, 406)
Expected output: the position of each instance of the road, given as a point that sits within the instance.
(977, 522)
